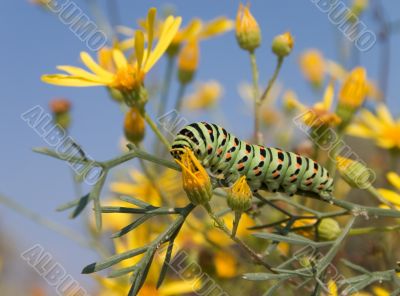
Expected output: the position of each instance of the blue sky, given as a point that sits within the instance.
(35, 41)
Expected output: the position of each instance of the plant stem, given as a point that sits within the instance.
(221, 225)
(273, 79)
(60, 229)
(166, 86)
(367, 230)
(256, 98)
(179, 99)
(156, 130)
(331, 163)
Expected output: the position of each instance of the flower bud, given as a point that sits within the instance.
(328, 229)
(354, 173)
(282, 45)
(134, 126)
(239, 195)
(358, 7)
(188, 61)
(248, 33)
(60, 109)
(196, 181)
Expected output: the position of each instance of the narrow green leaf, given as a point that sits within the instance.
(113, 260)
(355, 266)
(81, 206)
(132, 226)
(71, 204)
(136, 202)
(122, 271)
(265, 276)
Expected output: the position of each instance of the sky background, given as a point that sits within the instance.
(36, 41)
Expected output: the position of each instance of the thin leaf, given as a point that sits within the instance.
(132, 226)
(355, 266)
(71, 204)
(260, 276)
(136, 202)
(122, 271)
(81, 206)
(113, 260)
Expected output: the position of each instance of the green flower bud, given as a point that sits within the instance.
(282, 45)
(239, 196)
(354, 173)
(329, 229)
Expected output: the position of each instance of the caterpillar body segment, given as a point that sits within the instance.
(228, 157)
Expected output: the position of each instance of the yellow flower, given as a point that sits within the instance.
(320, 114)
(391, 195)
(354, 88)
(312, 65)
(196, 181)
(126, 76)
(381, 128)
(356, 174)
(248, 32)
(188, 61)
(143, 188)
(205, 96)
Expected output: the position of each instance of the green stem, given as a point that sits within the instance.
(256, 97)
(331, 163)
(166, 86)
(368, 230)
(60, 229)
(371, 189)
(156, 130)
(221, 225)
(179, 100)
(273, 79)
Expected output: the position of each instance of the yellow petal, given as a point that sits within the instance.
(370, 119)
(80, 73)
(216, 27)
(394, 179)
(384, 114)
(170, 28)
(191, 30)
(151, 16)
(328, 96)
(179, 287)
(378, 291)
(65, 80)
(225, 264)
(332, 287)
(94, 67)
(359, 130)
(119, 59)
(390, 196)
(139, 48)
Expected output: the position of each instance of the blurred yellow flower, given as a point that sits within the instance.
(320, 114)
(391, 195)
(378, 291)
(381, 128)
(354, 88)
(225, 264)
(143, 188)
(206, 95)
(126, 76)
(312, 65)
(188, 61)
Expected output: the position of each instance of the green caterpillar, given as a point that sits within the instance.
(264, 167)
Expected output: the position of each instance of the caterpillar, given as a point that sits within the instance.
(267, 168)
